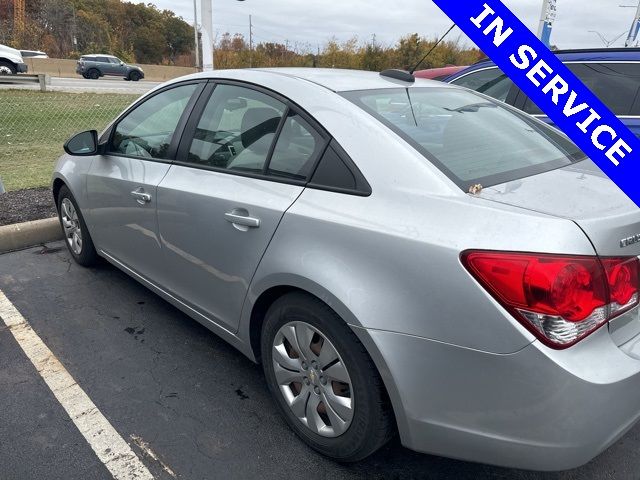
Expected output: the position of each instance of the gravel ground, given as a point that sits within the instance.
(26, 205)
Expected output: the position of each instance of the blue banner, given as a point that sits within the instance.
(552, 86)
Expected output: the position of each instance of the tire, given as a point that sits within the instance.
(84, 75)
(72, 223)
(7, 68)
(365, 421)
(93, 74)
(134, 76)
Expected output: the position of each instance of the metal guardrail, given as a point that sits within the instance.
(40, 79)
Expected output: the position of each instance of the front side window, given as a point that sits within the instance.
(617, 85)
(471, 139)
(114, 60)
(236, 130)
(147, 131)
(491, 82)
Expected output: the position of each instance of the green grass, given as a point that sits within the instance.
(35, 125)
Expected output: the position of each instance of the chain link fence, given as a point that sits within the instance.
(35, 125)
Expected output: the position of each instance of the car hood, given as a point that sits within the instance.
(582, 193)
(12, 52)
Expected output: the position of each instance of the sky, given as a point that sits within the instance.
(313, 22)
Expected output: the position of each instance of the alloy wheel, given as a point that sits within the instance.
(71, 224)
(4, 70)
(313, 379)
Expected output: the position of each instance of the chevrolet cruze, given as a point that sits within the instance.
(401, 257)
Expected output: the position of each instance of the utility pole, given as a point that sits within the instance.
(207, 35)
(635, 26)
(195, 33)
(250, 43)
(547, 17)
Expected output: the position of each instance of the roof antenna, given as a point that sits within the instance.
(432, 49)
(405, 76)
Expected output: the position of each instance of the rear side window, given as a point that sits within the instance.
(616, 84)
(491, 82)
(471, 139)
(147, 131)
(296, 150)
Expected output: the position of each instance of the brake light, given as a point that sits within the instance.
(561, 299)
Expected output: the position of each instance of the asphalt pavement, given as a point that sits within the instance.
(102, 85)
(189, 405)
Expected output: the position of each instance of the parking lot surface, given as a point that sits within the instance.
(190, 406)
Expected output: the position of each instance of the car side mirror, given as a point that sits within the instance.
(82, 144)
(121, 63)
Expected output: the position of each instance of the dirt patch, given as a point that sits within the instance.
(26, 205)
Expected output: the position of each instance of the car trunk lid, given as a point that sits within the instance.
(582, 193)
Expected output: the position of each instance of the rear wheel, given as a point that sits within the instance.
(7, 68)
(323, 380)
(93, 74)
(76, 234)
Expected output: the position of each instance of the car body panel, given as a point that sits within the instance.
(531, 409)
(601, 209)
(439, 73)
(207, 259)
(120, 225)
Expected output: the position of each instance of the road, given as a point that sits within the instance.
(165, 382)
(102, 85)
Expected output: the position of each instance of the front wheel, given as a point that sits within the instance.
(75, 230)
(134, 76)
(7, 68)
(323, 380)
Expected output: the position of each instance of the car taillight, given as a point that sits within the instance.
(561, 299)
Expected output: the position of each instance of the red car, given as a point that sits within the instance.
(438, 73)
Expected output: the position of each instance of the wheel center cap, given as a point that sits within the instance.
(313, 376)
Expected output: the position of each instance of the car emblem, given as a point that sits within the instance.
(625, 242)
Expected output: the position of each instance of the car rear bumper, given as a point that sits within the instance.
(537, 409)
(22, 67)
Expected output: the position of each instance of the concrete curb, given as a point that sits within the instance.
(28, 234)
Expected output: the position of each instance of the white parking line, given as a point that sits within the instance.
(112, 450)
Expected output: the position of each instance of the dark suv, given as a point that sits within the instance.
(612, 74)
(96, 66)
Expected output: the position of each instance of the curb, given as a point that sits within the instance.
(28, 234)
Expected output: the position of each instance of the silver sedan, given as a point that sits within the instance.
(401, 257)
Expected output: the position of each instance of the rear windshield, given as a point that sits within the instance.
(472, 139)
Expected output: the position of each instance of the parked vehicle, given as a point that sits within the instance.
(11, 61)
(321, 222)
(438, 73)
(613, 74)
(96, 66)
(33, 54)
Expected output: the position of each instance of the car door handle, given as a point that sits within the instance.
(141, 197)
(243, 220)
